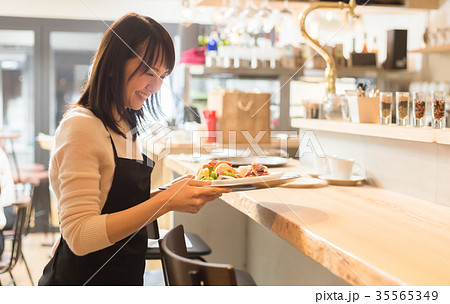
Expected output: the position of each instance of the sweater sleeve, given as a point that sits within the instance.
(78, 156)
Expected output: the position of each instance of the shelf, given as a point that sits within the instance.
(433, 49)
(299, 5)
(364, 72)
(425, 135)
(202, 70)
(357, 72)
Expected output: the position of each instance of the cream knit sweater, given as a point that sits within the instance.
(81, 173)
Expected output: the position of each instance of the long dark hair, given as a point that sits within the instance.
(130, 35)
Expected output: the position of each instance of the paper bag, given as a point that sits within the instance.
(238, 112)
(364, 109)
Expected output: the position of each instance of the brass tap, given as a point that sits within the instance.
(330, 71)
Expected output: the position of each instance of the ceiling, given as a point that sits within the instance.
(161, 10)
(170, 11)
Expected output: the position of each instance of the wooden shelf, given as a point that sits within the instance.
(201, 70)
(364, 72)
(359, 71)
(433, 49)
(425, 135)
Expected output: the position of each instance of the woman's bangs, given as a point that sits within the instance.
(157, 53)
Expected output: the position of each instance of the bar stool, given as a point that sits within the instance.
(179, 270)
(11, 234)
(9, 260)
(33, 176)
(197, 250)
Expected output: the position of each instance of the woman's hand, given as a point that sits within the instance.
(189, 195)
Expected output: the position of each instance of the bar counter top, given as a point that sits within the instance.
(362, 234)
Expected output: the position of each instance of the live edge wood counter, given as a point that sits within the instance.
(364, 235)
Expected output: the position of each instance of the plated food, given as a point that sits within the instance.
(222, 174)
(220, 170)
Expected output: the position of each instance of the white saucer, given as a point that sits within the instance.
(313, 174)
(354, 179)
(306, 182)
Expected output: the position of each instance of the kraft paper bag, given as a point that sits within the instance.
(364, 109)
(239, 112)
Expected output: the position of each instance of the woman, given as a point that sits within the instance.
(7, 197)
(104, 194)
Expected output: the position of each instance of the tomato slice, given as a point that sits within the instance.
(211, 164)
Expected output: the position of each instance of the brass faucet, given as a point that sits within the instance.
(330, 71)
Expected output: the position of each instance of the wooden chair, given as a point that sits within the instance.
(155, 277)
(10, 234)
(179, 270)
(197, 251)
(9, 259)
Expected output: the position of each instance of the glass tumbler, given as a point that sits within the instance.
(419, 108)
(385, 108)
(438, 109)
(402, 112)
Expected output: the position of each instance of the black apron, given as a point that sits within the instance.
(122, 263)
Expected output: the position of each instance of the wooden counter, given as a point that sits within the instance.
(364, 235)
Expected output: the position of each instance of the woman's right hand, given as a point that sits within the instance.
(189, 195)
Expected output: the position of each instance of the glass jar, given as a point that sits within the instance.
(332, 107)
(402, 108)
(438, 109)
(419, 108)
(385, 108)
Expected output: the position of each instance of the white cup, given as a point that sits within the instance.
(321, 165)
(342, 168)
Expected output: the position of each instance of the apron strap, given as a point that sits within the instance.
(112, 142)
(113, 146)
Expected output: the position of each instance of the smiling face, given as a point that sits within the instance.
(142, 84)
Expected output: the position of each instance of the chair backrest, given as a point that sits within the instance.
(19, 229)
(152, 230)
(27, 197)
(181, 271)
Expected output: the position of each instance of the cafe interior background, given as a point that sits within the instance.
(252, 46)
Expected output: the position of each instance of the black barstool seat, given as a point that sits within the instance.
(179, 270)
(199, 248)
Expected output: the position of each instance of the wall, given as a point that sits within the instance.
(435, 62)
(416, 169)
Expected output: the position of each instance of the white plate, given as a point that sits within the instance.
(274, 176)
(306, 182)
(268, 161)
(315, 174)
(354, 179)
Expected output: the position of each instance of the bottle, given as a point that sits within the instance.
(374, 46)
(213, 41)
(202, 40)
(365, 50)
